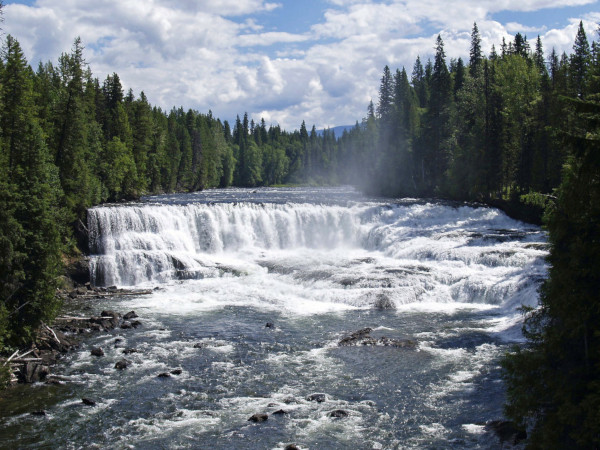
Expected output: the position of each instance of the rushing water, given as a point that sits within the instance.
(318, 264)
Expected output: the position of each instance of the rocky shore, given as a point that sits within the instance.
(34, 364)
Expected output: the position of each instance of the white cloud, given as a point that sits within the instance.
(220, 55)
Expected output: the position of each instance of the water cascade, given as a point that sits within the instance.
(247, 297)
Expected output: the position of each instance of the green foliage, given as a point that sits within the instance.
(554, 383)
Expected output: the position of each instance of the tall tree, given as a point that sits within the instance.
(475, 54)
(579, 62)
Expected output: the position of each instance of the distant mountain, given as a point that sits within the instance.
(339, 130)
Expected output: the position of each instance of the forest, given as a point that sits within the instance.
(509, 128)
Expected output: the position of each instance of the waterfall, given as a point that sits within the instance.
(132, 244)
(407, 252)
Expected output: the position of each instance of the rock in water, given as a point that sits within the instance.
(41, 412)
(319, 398)
(176, 372)
(338, 413)
(122, 364)
(97, 351)
(257, 418)
(356, 337)
(280, 412)
(88, 402)
(130, 315)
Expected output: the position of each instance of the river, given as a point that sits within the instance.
(315, 264)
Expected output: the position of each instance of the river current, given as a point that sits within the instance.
(315, 264)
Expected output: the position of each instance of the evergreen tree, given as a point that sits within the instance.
(386, 95)
(579, 63)
(476, 55)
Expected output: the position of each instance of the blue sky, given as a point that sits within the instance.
(284, 60)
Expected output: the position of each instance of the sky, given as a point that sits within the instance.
(282, 60)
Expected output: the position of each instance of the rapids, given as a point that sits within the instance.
(317, 263)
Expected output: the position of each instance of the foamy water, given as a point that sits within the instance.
(318, 264)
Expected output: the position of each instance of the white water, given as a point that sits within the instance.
(317, 257)
(318, 264)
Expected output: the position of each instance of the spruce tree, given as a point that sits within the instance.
(579, 63)
(475, 54)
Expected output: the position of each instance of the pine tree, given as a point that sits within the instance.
(476, 55)
(386, 95)
(579, 63)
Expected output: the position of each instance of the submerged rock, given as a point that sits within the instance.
(129, 351)
(280, 412)
(164, 375)
(176, 372)
(269, 325)
(41, 412)
(400, 343)
(291, 447)
(257, 418)
(338, 413)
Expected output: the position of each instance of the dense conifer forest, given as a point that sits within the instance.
(512, 126)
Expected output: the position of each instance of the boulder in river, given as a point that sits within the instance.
(164, 375)
(88, 402)
(176, 372)
(122, 364)
(280, 412)
(257, 418)
(97, 351)
(130, 315)
(41, 412)
(129, 351)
